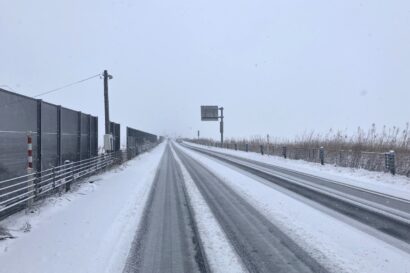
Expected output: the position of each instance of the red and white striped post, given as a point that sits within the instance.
(29, 153)
(29, 171)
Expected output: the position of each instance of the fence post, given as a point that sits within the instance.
(59, 155)
(39, 140)
(261, 149)
(284, 151)
(392, 162)
(386, 162)
(89, 136)
(39, 160)
(322, 155)
(79, 136)
(247, 147)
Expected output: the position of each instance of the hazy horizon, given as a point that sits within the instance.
(277, 67)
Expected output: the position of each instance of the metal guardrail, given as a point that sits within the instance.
(20, 191)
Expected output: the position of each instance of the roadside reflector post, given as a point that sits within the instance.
(322, 155)
(284, 151)
(30, 177)
(247, 147)
(236, 146)
(261, 149)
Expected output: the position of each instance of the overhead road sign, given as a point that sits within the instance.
(209, 113)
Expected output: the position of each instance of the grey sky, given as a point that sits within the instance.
(278, 67)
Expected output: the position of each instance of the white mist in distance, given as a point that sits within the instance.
(277, 67)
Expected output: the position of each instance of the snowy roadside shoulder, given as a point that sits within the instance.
(398, 186)
(89, 229)
(337, 245)
(220, 254)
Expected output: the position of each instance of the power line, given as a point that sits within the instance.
(65, 86)
(53, 90)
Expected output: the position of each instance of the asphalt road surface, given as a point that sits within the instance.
(167, 239)
(384, 213)
(261, 246)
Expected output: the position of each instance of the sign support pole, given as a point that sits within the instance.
(221, 129)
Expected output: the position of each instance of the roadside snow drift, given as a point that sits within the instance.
(386, 183)
(87, 230)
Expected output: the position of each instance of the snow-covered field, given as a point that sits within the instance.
(335, 243)
(398, 185)
(87, 230)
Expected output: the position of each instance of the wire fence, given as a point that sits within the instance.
(393, 162)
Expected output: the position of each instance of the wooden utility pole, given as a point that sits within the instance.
(106, 103)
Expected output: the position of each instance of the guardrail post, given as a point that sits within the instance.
(247, 147)
(54, 177)
(261, 149)
(284, 152)
(322, 155)
(67, 184)
(392, 162)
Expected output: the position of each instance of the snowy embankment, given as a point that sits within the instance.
(87, 230)
(398, 186)
(339, 245)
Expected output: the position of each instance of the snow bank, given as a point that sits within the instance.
(398, 185)
(87, 230)
(336, 244)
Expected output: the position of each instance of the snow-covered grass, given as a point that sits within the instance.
(338, 245)
(398, 185)
(220, 254)
(87, 230)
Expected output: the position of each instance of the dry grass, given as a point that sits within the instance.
(364, 149)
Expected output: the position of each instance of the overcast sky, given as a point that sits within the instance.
(278, 67)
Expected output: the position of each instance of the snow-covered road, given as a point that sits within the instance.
(177, 210)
